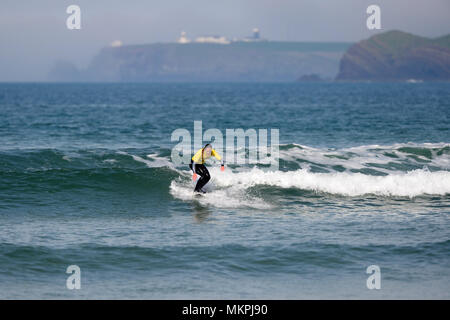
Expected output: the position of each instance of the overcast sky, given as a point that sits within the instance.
(33, 34)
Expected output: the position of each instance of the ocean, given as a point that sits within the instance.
(87, 179)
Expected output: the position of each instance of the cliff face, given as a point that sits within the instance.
(396, 55)
(263, 61)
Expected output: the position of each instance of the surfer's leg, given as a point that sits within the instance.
(204, 176)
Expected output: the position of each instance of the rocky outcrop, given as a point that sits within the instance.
(396, 55)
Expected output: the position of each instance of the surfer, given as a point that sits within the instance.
(198, 166)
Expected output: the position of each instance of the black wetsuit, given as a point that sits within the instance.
(201, 170)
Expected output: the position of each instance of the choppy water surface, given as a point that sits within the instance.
(87, 179)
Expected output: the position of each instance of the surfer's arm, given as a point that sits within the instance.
(195, 158)
(215, 154)
(218, 157)
(194, 174)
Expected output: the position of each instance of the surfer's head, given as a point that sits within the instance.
(207, 149)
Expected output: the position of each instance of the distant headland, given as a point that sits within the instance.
(392, 55)
(397, 56)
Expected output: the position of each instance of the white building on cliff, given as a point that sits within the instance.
(183, 38)
(255, 37)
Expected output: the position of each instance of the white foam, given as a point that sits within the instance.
(360, 157)
(154, 162)
(231, 186)
(220, 198)
(409, 184)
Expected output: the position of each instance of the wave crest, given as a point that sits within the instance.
(409, 184)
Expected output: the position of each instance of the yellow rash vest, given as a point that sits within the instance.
(199, 157)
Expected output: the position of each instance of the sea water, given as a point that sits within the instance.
(87, 179)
